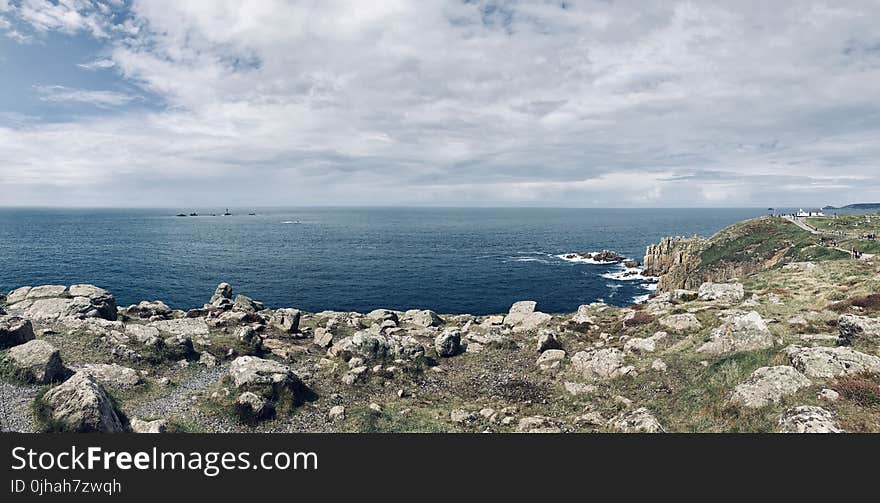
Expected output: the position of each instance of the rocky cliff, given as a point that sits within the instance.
(674, 260)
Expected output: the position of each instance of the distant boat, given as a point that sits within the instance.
(252, 214)
(181, 214)
(227, 213)
(193, 214)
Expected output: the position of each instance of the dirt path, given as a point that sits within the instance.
(816, 232)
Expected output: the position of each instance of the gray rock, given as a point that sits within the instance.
(681, 323)
(828, 395)
(38, 292)
(101, 300)
(223, 291)
(323, 337)
(286, 320)
(636, 421)
(746, 332)
(448, 343)
(726, 293)
(372, 347)
(808, 419)
(548, 340)
(768, 386)
(519, 311)
(141, 426)
(381, 315)
(854, 328)
(644, 344)
(178, 346)
(187, 327)
(147, 310)
(266, 377)
(15, 331)
(208, 360)
(112, 375)
(253, 407)
(825, 362)
(81, 405)
(36, 361)
(684, 295)
(17, 295)
(600, 364)
(551, 359)
(537, 424)
(424, 318)
(246, 304)
(337, 413)
(250, 339)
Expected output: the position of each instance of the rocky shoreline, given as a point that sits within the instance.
(757, 353)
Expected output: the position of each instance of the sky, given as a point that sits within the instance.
(594, 103)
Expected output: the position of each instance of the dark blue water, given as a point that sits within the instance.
(451, 260)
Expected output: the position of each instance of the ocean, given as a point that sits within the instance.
(451, 260)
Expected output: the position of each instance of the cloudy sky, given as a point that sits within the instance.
(439, 102)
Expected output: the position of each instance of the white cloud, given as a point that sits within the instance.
(104, 99)
(599, 103)
(98, 64)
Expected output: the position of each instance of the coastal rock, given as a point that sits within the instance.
(854, 328)
(424, 318)
(744, 332)
(600, 364)
(681, 295)
(523, 317)
(827, 362)
(39, 292)
(17, 295)
(640, 420)
(149, 310)
(143, 334)
(372, 347)
(112, 375)
(178, 346)
(15, 331)
(769, 385)
(448, 343)
(36, 361)
(191, 327)
(286, 320)
(265, 377)
(252, 407)
(246, 304)
(337, 413)
(382, 315)
(551, 359)
(80, 404)
(323, 337)
(726, 293)
(141, 426)
(223, 291)
(646, 344)
(537, 424)
(681, 323)
(548, 340)
(808, 419)
(100, 300)
(582, 317)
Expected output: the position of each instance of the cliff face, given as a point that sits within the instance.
(674, 261)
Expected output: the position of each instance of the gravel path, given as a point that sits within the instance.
(15, 407)
(179, 398)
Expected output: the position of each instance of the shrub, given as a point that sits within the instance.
(639, 318)
(863, 390)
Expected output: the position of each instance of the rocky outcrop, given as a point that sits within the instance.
(825, 362)
(36, 361)
(57, 303)
(674, 260)
(14, 331)
(636, 421)
(769, 385)
(853, 328)
(373, 347)
(267, 378)
(448, 343)
(600, 364)
(744, 332)
(112, 375)
(725, 293)
(82, 405)
(808, 419)
(681, 323)
(522, 316)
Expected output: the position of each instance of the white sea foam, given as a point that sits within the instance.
(638, 299)
(625, 274)
(580, 260)
(527, 259)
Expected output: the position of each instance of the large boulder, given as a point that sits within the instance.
(742, 332)
(246, 304)
(36, 361)
(252, 407)
(681, 323)
(551, 360)
(17, 295)
(15, 331)
(155, 426)
(148, 310)
(80, 404)
(826, 362)
(768, 386)
(372, 346)
(424, 318)
(725, 293)
(267, 378)
(522, 317)
(223, 291)
(191, 327)
(636, 421)
(644, 344)
(854, 328)
(808, 419)
(39, 292)
(286, 320)
(101, 300)
(448, 343)
(600, 364)
(112, 375)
